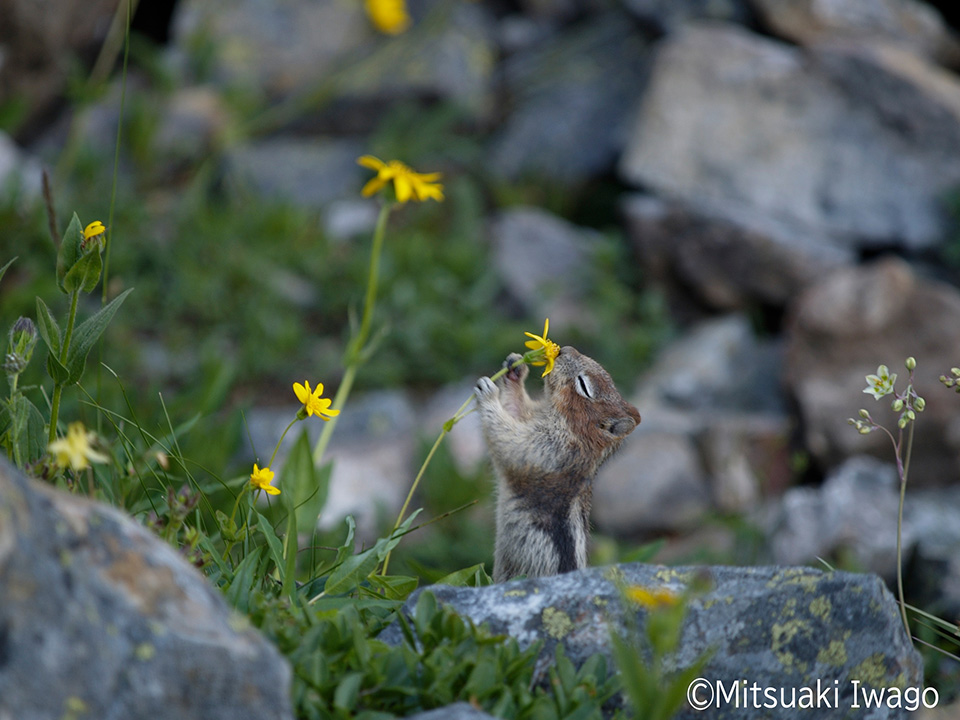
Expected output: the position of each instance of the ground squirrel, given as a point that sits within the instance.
(546, 454)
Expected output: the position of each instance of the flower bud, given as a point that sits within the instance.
(911, 414)
(864, 414)
(943, 379)
(911, 363)
(919, 404)
(897, 405)
(902, 422)
(864, 430)
(955, 371)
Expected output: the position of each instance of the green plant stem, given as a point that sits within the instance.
(58, 386)
(355, 351)
(903, 491)
(280, 441)
(447, 427)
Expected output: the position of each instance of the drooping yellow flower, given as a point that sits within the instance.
(388, 16)
(74, 449)
(93, 229)
(407, 184)
(261, 478)
(550, 348)
(313, 404)
(651, 598)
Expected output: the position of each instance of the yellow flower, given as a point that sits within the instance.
(550, 348)
(652, 599)
(388, 16)
(313, 404)
(406, 183)
(261, 478)
(93, 229)
(74, 450)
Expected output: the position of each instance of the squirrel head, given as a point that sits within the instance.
(583, 392)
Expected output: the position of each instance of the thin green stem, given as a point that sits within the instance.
(447, 427)
(282, 436)
(58, 386)
(903, 492)
(355, 350)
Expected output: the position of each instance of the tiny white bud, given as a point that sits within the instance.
(902, 423)
(919, 404)
(897, 405)
(911, 363)
(864, 430)
(864, 414)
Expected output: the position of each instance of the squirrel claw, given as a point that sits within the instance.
(486, 390)
(518, 373)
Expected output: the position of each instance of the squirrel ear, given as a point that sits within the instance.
(619, 426)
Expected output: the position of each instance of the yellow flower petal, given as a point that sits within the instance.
(371, 162)
(407, 184)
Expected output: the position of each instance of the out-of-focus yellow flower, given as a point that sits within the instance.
(651, 598)
(74, 449)
(550, 348)
(261, 478)
(407, 184)
(388, 16)
(313, 404)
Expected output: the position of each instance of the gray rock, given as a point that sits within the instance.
(855, 510)
(193, 123)
(724, 263)
(655, 484)
(330, 53)
(718, 364)
(670, 15)
(778, 627)
(457, 711)
(98, 618)
(572, 96)
(308, 172)
(841, 329)
(825, 140)
(916, 26)
(853, 515)
(544, 262)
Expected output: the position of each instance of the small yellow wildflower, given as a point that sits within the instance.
(74, 449)
(651, 598)
(407, 184)
(93, 229)
(550, 348)
(313, 404)
(261, 478)
(388, 16)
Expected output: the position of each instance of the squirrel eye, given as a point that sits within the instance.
(584, 386)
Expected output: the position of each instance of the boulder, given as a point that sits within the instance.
(544, 262)
(850, 145)
(576, 85)
(916, 26)
(308, 172)
(330, 54)
(839, 330)
(777, 627)
(100, 619)
(700, 260)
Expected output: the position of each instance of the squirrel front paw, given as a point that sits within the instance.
(486, 391)
(518, 373)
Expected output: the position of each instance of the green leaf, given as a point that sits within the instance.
(87, 333)
(474, 576)
(49, 330)
(348, 691)
(304, 487)
(395, 587)
(355, 569)
(24, 428)
(273, 542)
(70, 251)
(85, 273)
(3, 270)
(244, 579)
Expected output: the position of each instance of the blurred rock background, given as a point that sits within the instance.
(740, 207)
